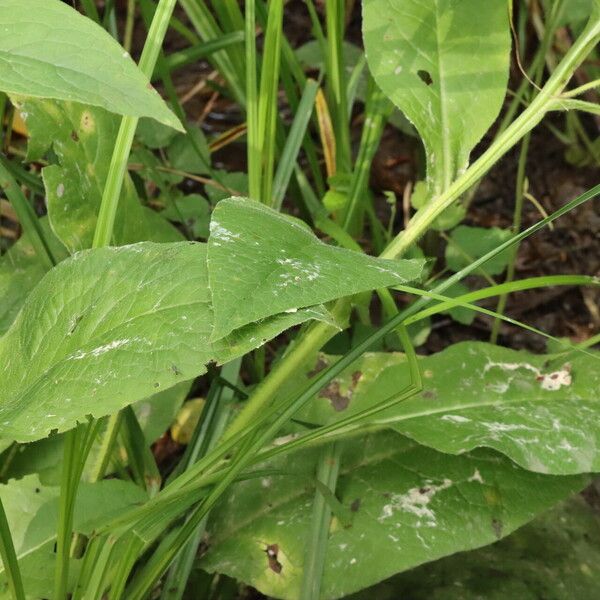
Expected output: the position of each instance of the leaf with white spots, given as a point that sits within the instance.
(49, 50)
(543, 415)
(410, 505)
(112, 326)
(263, 263)
(444, 63)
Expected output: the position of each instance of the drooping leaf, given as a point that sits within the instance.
(543, 416)
(49, 50)
(470, 243)
(410, 505)
(262, 263)
(32, 513)
(444, 63)
(555, 557)
(83, 139)
(20, 271)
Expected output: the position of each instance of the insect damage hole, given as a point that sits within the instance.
(272, 551)
(425, 76)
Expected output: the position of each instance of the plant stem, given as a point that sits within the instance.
(26, 215)
(9, 558)
(118, 163)
(316, 547)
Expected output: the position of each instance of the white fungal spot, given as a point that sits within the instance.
(476, 477)
(455, 419)
(398, 70)
(60, 190)
(416, 501)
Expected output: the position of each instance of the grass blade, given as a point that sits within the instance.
(9, 558)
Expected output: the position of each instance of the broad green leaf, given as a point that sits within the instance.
(261, 263)
(20, 271)
(110, 327)
(192, 211)
(444, 63)
(410, 505)
(82, 139)
(32, 513)
(104, 329)
(543, 416)
(470, 243)
(49, 50)
(235, 182)
(555, 557)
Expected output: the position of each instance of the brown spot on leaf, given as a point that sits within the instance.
(429, 394)
(272, 551)
(321, 364)
(74, 136)
(425, 76)
(356, 376)
(338, 400)
(497, 527)
(355, 505)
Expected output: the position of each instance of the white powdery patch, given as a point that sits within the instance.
(415, 501)
(548, 381)
(221, 233)
(455, 419)
(299, 271)
(476, 477)
(100, 349)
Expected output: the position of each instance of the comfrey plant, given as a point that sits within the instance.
(310, 472)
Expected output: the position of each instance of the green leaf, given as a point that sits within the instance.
(83, 139)
(262, 263)
(470, 243)
(460, 314)
(193, 211)
(20, 271)
(543, 416)
(112, 326)
(32, 513)
(183, 155)
(410, 505)
(49, 50)
(445, 65)
(555, 557)
(102, 330)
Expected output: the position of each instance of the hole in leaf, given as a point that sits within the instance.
(425, 77)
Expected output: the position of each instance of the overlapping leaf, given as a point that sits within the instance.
(49, 50)
(540, 414)
(83, 139)
(555, 557)
(32, 513)
(262, 262)
(112, 326)
(410, 505)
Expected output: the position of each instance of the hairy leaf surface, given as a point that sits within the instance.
(49, 50)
